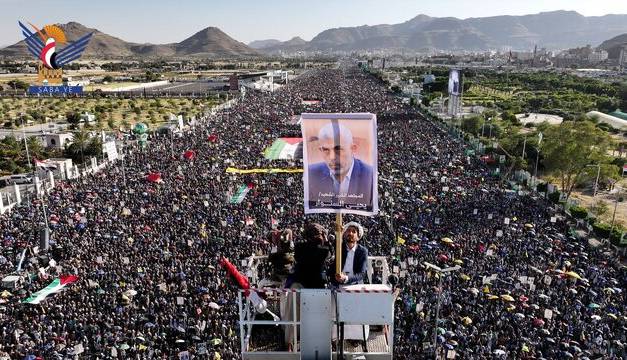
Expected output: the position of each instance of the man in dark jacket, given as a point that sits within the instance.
(354, 257)
(311, 257)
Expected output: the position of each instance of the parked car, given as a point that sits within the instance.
(20, 179)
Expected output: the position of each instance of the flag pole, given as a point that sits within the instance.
(338, 243)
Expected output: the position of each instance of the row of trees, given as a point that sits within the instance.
(569, 152)
(549, 92)
(13, 158)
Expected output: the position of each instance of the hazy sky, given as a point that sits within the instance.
(165, 21)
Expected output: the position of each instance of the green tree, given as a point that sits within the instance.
(623, 96)
(36, 149)
(13, 154)
(74, 118)
(77, 149)
(472, 125)
(17, 85)
(567, 149)
(509, 117)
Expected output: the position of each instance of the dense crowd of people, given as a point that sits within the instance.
(147, 254)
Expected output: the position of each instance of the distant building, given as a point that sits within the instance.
(598, 56)
(622, 59)
(566, 61)
(233, 82)
(58, 140)
(73, 82)
(27, 69)
(522, 55)
(87, 117)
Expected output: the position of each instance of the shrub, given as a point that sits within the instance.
(617, 233)
(542, 187)
(578, 212)
(601, 229)
(554, 197)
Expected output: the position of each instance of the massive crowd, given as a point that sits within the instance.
(147, 254)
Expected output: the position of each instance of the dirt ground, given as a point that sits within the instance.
(585, 199)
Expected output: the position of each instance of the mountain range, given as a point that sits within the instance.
(551, 30)
(273, 45)
(209, 42)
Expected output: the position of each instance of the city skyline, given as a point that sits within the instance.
(246, 21)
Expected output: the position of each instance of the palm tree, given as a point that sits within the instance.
(76, 150)
(36, 148)
(12, 155)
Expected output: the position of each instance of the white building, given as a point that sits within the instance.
(622, 59)
(71, 82)
(58, 140)
(522, 55)
(87, 117)
(598, 56)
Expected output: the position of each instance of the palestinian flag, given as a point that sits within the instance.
(285, 148)
(55, 286)
(240, 194)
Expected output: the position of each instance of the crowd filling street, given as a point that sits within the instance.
(147, 254)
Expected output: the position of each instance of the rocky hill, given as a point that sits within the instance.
(210, 42)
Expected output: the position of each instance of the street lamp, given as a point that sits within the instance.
(616, 201)
(30, 166)
(442, 273)
(596, 182)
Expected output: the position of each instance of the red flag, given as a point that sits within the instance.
(240, 279)
(212, 137)
(189, 155)
(154, 177)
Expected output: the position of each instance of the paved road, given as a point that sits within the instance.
(187, 87)
(32, 130)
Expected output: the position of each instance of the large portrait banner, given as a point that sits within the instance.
(340, 163)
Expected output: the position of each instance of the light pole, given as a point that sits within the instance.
(616, 201)
(442, 273)
(535, 169)
(30, 166)
(596, 182)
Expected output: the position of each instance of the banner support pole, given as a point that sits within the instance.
(338, 243)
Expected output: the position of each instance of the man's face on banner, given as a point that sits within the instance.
(338, 156)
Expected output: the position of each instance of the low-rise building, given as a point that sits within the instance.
(58, 140)
(598, 56)
(622, 59)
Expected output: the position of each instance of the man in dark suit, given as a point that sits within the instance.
(354, 257)
(341, 178)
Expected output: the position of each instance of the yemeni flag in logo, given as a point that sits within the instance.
(240, 194)
(54, 287)
(285, 148)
